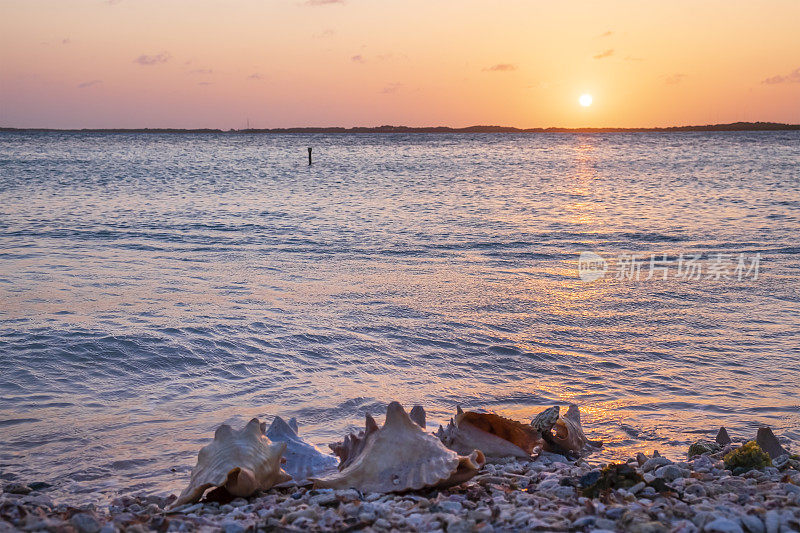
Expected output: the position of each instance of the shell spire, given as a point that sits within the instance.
(353, 444)
(417, 414)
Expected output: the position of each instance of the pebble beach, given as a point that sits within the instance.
(647, 494)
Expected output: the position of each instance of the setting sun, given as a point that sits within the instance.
(585, 100)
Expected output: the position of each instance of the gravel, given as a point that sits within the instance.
(545, 494)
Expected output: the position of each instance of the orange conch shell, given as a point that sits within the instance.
(494, 435)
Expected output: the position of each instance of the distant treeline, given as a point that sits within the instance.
(735, 126)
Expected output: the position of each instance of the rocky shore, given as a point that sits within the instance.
(645, 495)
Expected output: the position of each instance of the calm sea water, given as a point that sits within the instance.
(155, 286)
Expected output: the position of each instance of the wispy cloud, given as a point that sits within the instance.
(113, 2)
(674, 79)
(792, 77)
(324, 34)
(147, 61)
(204, 71)
(88, 84)
(323, 2)
(501, 67)
(633, 58)
(603, 55)
(358, 59)
(204, 83)
(609, 33)
(65, 41)
(255, 76)
(391, 88)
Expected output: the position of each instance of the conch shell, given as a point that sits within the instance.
(400, 456)
(568, 436)
(241, 462)
(353, 444)
(303, 460)
(494, 435)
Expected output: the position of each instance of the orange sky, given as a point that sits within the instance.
(216, 63)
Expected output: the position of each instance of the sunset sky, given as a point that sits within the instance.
(280, 63)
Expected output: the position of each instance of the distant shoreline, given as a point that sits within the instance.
(735, 126)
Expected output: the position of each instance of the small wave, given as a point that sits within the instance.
(16, 421)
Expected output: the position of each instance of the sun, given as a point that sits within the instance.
(585, 100)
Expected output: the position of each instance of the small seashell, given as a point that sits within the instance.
(400, 456)
(568, 436)
(241, 462)
(544, 421)
(303, 460)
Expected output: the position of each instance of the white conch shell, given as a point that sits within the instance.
(303, 460)
(401, 456)
(569, 433)
(241, 462)
(494, 435)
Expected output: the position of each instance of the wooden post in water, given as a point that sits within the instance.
(309, 155)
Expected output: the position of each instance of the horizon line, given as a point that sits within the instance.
(732, 126)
